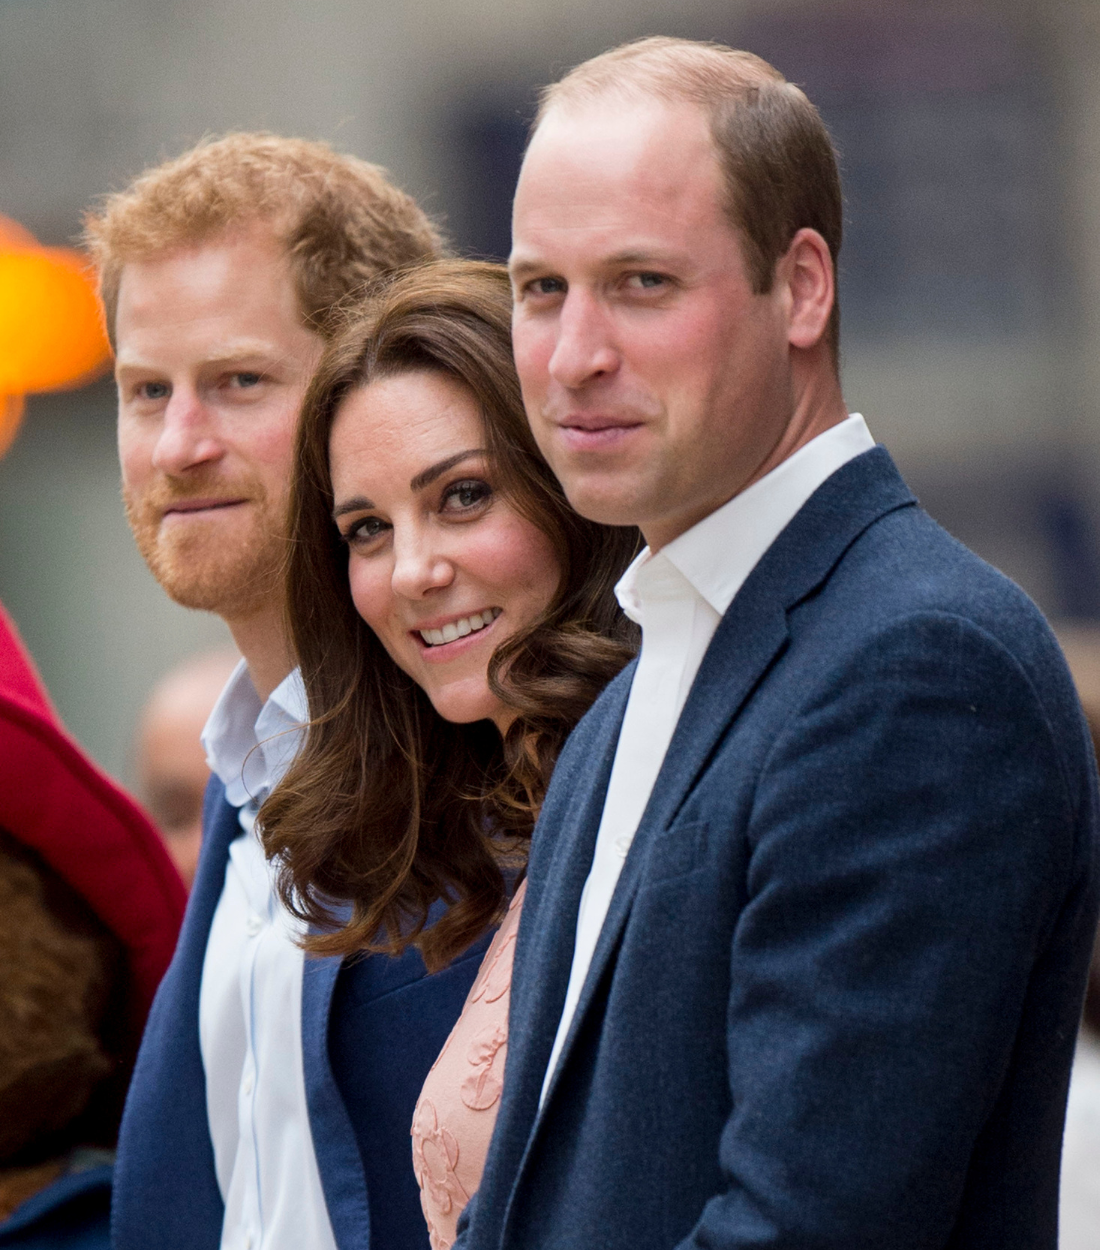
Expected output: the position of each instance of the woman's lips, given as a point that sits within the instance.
(460, 627)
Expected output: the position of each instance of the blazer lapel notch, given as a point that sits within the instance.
(751, 635)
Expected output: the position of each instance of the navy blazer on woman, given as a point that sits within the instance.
(835, 997)
(371, 1029)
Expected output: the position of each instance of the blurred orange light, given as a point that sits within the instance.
(51, 331)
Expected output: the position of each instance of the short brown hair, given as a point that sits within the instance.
(387, 804)
(341, 220)
(779, 162)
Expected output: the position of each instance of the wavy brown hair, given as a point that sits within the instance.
(388, 806)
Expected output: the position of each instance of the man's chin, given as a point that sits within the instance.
(231, 585)
(605, 499)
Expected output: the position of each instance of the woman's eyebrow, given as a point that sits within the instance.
(427, 476)
(360, 503)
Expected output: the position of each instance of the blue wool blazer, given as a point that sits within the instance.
(72, 1213)
(835, 998)
(371, 1029)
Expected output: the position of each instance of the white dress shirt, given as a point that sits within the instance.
(250, 1000)
(678, 595)
(1079, 1203)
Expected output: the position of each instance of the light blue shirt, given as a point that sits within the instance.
(250, 1000)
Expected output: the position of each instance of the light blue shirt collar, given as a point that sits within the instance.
(250, 746)
(718, 553)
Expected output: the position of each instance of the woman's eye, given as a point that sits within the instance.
(462, 496)
(366, 530)
(247, 379)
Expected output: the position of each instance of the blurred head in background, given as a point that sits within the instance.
(171, 763)
(221, 273)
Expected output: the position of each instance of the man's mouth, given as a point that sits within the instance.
(591, 431)
(186, 507)
(460, 628)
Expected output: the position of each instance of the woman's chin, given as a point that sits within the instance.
(464, 707)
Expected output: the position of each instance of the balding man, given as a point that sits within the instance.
(171, 763)
(810, 902)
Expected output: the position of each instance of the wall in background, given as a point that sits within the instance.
(970, 134)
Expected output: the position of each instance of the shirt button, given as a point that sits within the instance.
(622, 845)
(253, 924)
(246, 1085)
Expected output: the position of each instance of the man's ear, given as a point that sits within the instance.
(807, 275)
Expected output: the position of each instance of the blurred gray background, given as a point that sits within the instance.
(970, 279)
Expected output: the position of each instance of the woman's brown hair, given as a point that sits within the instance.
(388, 806)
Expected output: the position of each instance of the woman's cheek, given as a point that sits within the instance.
(368, 590)
(526, 560)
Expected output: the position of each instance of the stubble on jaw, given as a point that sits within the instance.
(198, 566)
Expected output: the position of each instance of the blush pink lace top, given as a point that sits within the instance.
(458, 1105)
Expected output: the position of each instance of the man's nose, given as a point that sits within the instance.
(188, 435)
(585, 348)
(419, 564)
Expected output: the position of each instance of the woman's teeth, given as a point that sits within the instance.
(460, 628)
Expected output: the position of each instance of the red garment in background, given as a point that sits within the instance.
(55, 801)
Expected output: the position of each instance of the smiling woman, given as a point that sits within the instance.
(452, 616)
(442, 566)
(453, 619)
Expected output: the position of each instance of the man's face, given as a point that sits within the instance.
(656, 382)
(213, 362)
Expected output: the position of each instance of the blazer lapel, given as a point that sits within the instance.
(168, 1092)
(560, 860)
(221, 825)
(338, 1160)
(749, 637)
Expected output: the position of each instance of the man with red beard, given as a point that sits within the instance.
(272, 1097)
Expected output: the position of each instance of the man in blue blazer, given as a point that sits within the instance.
(812, 894)
(273, 1095)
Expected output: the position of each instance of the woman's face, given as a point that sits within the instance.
(441, 566)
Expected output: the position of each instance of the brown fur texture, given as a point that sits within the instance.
(61, 1060)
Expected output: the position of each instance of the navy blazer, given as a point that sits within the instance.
(72, 1213)
(371, 1029)
(835, 998)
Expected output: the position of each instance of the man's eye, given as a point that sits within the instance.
(649, 281)
(466, 495)
(154, 390)
(547, 286)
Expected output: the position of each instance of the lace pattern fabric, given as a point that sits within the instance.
(457, 1109)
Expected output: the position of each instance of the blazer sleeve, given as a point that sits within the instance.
(919, 847)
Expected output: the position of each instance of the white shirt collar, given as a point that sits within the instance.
(718, 553)
(249, 746)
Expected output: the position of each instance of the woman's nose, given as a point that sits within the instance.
(419, 565)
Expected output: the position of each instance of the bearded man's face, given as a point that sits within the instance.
(212, 366)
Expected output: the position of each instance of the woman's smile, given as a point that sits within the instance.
(441, 564)
(452, 631)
